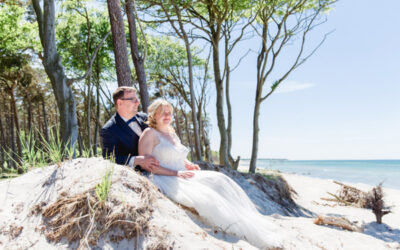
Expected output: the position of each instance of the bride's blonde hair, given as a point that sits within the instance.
(156, 108)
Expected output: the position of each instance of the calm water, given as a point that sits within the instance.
(370, 172)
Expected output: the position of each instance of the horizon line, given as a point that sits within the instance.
(286, 159)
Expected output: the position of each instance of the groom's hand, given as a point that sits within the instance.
(147, 162)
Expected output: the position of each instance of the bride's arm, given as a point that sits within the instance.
(146, 146)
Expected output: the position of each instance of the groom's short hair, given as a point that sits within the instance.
(120, 92)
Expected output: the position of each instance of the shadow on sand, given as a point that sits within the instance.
(382, 232)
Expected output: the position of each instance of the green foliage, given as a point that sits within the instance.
(274, 85)
(103, 188)
(54, 150)
(39, 154)
(8, 173)
(15, 33)
(32, 156)
(266, 173)
(78, 32)
(219, 8)
(166, 52)
(86, 152)
(269, 176)
(276, 10)
(167, 62)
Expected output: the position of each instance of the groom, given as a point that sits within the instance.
(120, 135)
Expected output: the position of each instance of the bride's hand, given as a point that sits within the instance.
(191, 166)
(195, 167)
(184, 174)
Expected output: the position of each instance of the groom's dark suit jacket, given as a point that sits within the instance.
(119, 140)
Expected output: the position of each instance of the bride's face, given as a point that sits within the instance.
(164, 117)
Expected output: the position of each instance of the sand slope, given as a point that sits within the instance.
(177, 227)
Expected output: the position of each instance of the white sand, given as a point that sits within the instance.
(174, 225)
(180, 228)
(302, 233)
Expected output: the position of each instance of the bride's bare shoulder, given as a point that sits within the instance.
(150, 135)
(149, 132)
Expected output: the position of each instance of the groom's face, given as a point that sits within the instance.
(129, 103)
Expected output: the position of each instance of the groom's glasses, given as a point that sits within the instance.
(130, 99)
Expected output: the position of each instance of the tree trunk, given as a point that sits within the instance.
(205, 135)
(178, 125)
(96, 129)
(3, 135)
(202, 141)
(28, 100)
(260, 83)
(229, 109)
(45, 126)
(138, 61)
(10, 122)
(55, 71)
(35, 133)
(80, 142)
(2, 141)
(189, 138)
(119, 42)
(234, 163)
(207, 147)
(185, 38)
(89, 98)
(223, 148)
(193, 100)
(256, 129)
(13, 106)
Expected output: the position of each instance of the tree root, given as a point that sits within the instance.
(82, 217)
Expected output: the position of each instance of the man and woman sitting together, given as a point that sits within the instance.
(149, 144)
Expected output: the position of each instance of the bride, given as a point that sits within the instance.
(218, 200)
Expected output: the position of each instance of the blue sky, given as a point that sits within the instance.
(343, 103)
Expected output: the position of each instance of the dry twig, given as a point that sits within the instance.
(338, 222)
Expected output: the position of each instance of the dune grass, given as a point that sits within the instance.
(38, 153)
(103, 188)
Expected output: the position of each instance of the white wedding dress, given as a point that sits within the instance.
(216, 197)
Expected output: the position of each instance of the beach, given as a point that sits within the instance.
(179, 228)
(302, 233)
(375, 236)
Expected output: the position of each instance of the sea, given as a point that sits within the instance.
(371, 172)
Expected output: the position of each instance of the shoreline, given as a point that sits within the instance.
(245, 168)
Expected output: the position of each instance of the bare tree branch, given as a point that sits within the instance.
(141, 30)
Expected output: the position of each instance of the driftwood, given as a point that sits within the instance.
(374, 201)
(338, 222)
(349, 196)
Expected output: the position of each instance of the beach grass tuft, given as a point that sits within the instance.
(103, 188)
(38, 150)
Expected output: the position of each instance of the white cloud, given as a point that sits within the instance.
(290, 86)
